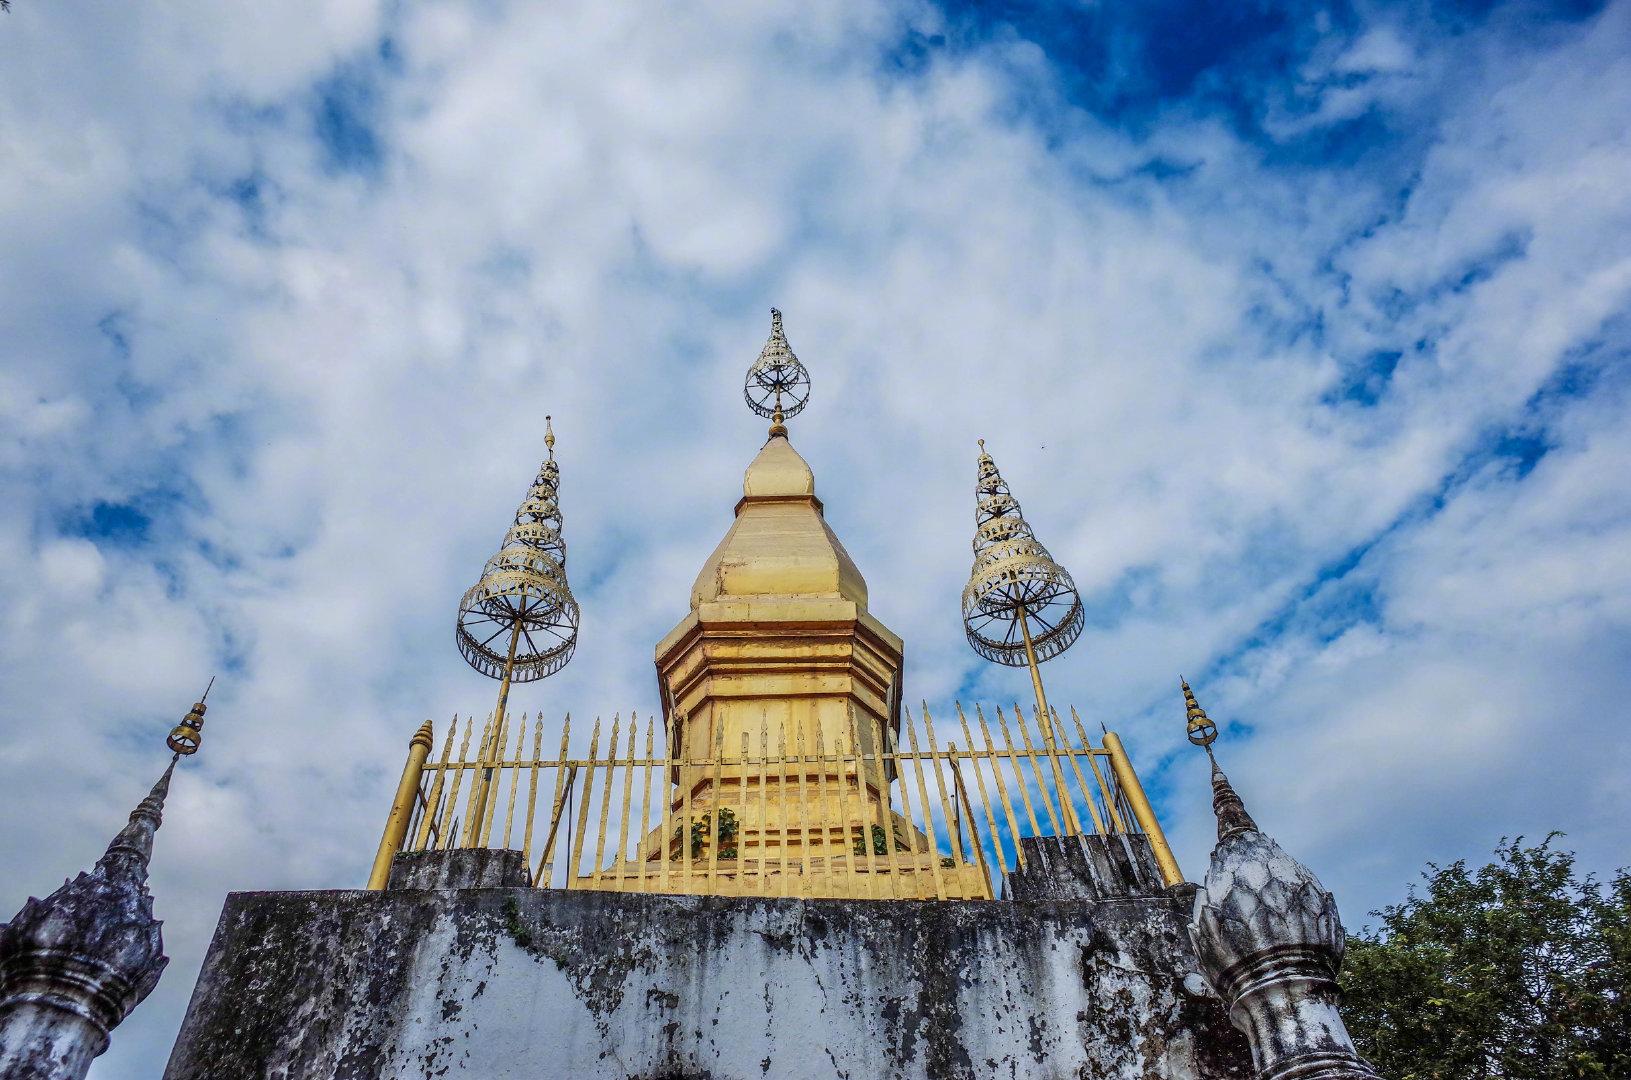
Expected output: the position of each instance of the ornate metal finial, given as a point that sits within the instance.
(1019, 606)
(185, 736)
(549, 436)
(520, 621)
(1202, 732)
(778, 386)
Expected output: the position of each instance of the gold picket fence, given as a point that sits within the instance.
(802, 818)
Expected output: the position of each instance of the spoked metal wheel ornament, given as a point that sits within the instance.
(519, 622)
(778, 385)
(1020, 607)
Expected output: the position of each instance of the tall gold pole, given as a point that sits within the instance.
(1044, 720)
(1036, 677)
(1127, 780)
(396, 825)
(478, 799)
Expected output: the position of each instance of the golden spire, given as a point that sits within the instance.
(777, 386)
(1227, 805)
(1019, 607)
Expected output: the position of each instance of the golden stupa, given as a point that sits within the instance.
(781, 676)
(784, 761)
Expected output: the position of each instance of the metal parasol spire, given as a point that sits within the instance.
(778, 385)
(522, 600)
(1019, 607)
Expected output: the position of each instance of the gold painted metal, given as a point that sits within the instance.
(1143, 812)
(834, 835)
(645, 804)
(532, 793)
(782, 742)
(186, 736)
(1002, 789)
(1016, 582)
(953, 833)
(764, 794)
(448, 823)
(1117, 823)
(522, 594)
(396, 824)
(961, 793)
(985, 801)
(801, 797)
(546, 864)
(574, 867)
(742, 796)
(433, 802)
(1199, 727)
(628, 792)
(1036, 767)
(606, 794)
(1081, 785)
(715, 811)
(866, 814)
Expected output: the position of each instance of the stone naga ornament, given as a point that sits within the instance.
(1270, 942)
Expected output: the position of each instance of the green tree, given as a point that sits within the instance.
(1520, 970)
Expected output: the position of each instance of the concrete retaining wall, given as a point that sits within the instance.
(519, 982)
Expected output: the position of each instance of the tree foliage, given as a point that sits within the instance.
(1520, 970)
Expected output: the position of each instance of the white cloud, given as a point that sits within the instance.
(328, 393)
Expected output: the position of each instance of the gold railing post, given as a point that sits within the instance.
(1127, 780)
(396, 825)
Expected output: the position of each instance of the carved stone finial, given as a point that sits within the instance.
(73, 966)
(1228, 806)
(1270, 942)
(134, 844)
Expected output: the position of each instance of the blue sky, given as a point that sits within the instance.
(1299, 330)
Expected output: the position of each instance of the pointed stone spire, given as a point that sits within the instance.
(1269, 940)
(132, 849)
(74, 965)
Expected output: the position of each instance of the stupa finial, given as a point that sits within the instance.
(519, 622)
(185, 736)
(1019, 607)
(523, 600)
(777, 386)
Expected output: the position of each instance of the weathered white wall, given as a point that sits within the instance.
(529, 983)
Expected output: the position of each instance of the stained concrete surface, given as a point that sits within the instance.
(521, 982)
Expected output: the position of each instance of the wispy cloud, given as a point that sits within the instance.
(1300, 333)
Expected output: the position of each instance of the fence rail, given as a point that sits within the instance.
(767, 811)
